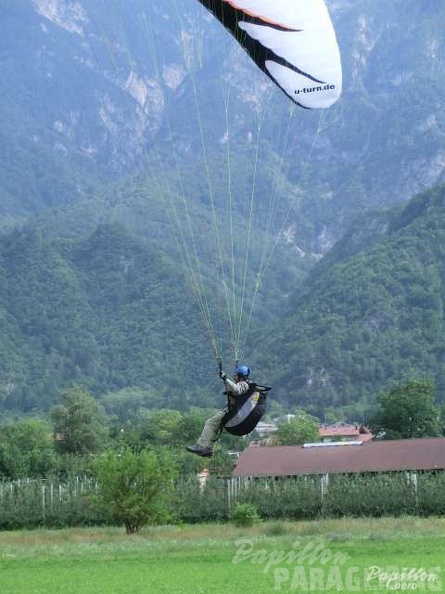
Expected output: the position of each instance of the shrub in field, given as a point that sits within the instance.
(134, 488)
(245, 514)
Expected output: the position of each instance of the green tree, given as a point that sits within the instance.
(130, 404)
(408, 410)
(191, 425)
(134, 487)
(163, 427)
(79, 423)
(26, 449)
(299, 430)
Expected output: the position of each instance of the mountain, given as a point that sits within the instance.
(369, 318)
(91, 92)
(98, 312)
(152, 118)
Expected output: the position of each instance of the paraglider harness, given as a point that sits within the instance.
(244, 414)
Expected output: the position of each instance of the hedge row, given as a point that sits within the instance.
(36, 503)
(371, 495)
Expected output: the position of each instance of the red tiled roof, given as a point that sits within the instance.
(342, 430)
(373, 456)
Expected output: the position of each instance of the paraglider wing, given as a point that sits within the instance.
(292, 41)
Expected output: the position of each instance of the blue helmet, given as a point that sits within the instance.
(242, 370)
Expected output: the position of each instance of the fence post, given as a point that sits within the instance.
(324, 483)
(233, 487)
(229, 500)
(43, 501)
(411, 478)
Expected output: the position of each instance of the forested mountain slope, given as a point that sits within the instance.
(370, 318)
(108, 312)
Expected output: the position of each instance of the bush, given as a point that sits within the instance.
(245, 514)
(134, 488)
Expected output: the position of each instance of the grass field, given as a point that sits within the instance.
(318, 556)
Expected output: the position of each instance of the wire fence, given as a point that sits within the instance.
(28, 503)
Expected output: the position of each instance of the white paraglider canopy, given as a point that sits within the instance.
(292, 41)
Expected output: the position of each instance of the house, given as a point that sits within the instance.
(356, 456)
(344, 431)
(339, 431)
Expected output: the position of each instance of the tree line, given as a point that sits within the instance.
(79, 428)
(136, 464)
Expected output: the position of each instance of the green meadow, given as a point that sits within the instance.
(349, 555)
